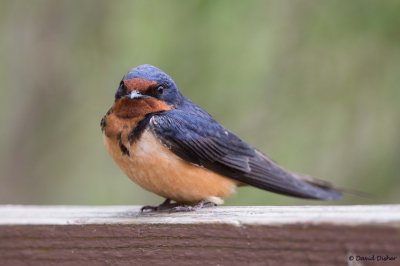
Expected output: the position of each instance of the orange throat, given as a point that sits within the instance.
(137, 108)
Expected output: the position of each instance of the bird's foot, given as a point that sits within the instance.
(166, 205)
(177, 207)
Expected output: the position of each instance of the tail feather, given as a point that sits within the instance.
(268, 175)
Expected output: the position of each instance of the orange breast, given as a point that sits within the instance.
(155, 168)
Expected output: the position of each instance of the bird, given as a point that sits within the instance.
(170, 146)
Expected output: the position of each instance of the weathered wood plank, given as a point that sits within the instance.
(307, 235)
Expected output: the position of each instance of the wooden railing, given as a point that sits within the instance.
(121, 235)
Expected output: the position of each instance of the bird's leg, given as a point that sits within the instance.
(187, 208)
(166, 205)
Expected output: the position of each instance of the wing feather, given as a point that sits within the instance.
(197, 138)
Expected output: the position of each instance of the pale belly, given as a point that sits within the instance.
(155, 168)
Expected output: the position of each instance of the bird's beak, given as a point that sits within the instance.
(136, 95)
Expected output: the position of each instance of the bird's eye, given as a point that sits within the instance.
(121, 91)
(160, 90)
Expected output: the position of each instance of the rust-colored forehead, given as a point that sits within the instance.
(139, 84)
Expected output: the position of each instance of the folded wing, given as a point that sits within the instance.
(199, 139)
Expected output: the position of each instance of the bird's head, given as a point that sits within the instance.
(148, 88)
(147, 81)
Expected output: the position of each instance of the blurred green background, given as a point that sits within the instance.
(314, 84)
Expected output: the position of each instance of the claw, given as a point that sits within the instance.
(148, 208)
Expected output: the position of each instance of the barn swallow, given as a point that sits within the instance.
(170, 146)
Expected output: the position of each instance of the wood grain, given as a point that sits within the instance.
(306, 235)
